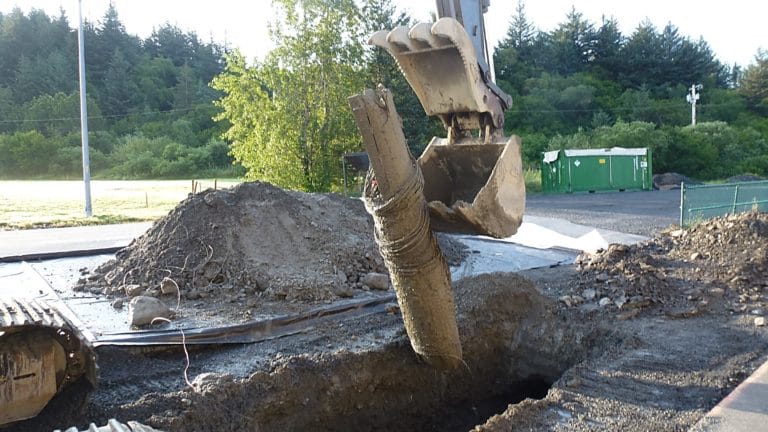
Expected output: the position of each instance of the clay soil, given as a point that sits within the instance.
(647, 337)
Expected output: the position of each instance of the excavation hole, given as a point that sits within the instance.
(514, 349)
(466, 415)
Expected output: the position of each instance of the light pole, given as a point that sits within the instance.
(692, 98)
(84, 114)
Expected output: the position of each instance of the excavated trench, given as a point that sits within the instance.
(515, 347)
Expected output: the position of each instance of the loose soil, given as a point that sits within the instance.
(255, 245)
(638, 338)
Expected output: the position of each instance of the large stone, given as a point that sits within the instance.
(143, 310)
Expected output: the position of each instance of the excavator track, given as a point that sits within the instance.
(41, 354)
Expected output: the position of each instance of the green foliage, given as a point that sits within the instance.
(25, 152)
(381, 68)
(709, 150)
(155, 88)
(57, 114)
(754, 83)
(590, 86)
(290, 121)
(579, 85)
(140, 157)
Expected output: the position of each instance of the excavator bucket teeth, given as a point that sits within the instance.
(441, 65)
(474, 187)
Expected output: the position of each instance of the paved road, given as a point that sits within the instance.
(642, 212)
(86, 240)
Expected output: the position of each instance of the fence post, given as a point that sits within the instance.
(682, 202)
(735, 198)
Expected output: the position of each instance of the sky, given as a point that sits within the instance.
(735, 30)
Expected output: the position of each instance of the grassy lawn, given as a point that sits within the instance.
(49, 203)
(532, 180)
(40, 204)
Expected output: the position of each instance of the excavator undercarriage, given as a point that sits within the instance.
(41, 355)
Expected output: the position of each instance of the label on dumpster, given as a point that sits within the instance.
(577, 163)
(601, 161)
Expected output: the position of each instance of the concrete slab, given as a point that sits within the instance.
(745, 409)
(53, 242)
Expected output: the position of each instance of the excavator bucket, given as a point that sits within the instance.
(474, 187)
(440, 63)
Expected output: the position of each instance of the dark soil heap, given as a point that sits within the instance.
(253, 239)
(726, 258)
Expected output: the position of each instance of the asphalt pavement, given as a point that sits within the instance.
(634, 212)
(48, 243)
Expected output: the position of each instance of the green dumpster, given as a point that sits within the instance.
(591, 170)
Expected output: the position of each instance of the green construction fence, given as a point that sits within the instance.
(702, 202)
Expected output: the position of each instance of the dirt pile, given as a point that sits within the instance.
(672, 180)
(252, 241)
(726, 258)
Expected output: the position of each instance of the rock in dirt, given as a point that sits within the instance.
(143, 310)
(132, 290)
(169, 286)
(760, 321)
(208, 381)
(377, 281)
(343, 291)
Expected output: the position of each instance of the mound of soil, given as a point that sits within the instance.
(726, 258)
(744, 178)
(254, 240)
(669, 181)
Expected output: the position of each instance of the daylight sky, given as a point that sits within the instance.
(734, 29)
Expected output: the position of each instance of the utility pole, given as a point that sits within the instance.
(84, 114)
(692, 98)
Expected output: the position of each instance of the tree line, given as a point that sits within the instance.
(149, 103)
(579, 85)
(588, 85)
(172, 105)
